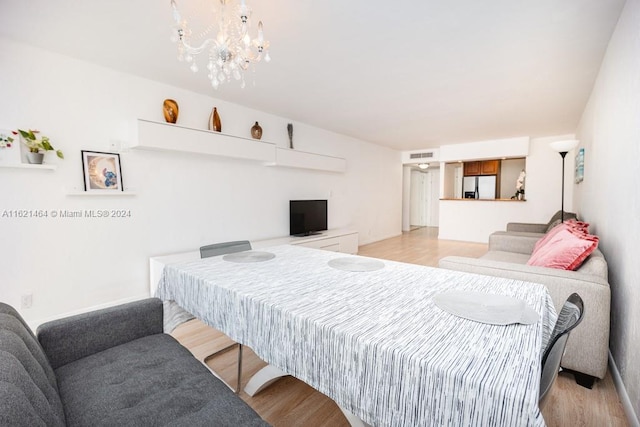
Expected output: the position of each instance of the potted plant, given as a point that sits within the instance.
(37, 146)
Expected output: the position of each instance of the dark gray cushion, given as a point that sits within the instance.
(556, 219)
(22, 403)
(28, 388)
(72, 338)
(150, 381)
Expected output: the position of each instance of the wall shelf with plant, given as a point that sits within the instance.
(37, 144)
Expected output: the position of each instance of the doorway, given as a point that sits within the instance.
(424, 198)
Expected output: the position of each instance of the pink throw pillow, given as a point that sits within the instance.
(570, 224)
(548, 236)
(566, 249)
(578, 225)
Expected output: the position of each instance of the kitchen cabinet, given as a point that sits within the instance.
(490, 167)
(484, 167)
(472, 168)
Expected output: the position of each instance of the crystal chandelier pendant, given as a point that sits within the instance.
(225, 37)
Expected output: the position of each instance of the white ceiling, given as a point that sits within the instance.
(404, 74)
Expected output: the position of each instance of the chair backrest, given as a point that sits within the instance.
(224, 248)
(569, 317)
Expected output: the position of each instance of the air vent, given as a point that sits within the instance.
(421, 155)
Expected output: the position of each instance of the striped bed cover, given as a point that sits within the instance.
(374, 341)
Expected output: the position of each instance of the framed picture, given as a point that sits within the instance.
(580, 166)
(101, 171)
(9, 148)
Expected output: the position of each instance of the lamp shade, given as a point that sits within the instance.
(423, 165)
(565, 145)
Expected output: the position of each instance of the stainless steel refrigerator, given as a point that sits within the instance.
(479, 187)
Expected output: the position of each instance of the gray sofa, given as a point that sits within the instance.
(540, 229)
(112, 367)
(588, 346)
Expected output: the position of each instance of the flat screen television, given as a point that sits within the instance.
(307, 217)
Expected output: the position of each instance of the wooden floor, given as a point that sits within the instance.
(290, 402)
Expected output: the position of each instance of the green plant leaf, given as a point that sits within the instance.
(59, 153)
(45, 145)
(27, 135)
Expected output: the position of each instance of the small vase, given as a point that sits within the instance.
(214, 121)
(290, 132)
(256, 131)
(35, 158)
(170, 110)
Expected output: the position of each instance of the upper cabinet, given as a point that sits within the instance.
(471, 168)
(485, 167)
(490, 167)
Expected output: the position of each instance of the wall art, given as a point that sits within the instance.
(580, 166)
(9, 148)
(101, 171)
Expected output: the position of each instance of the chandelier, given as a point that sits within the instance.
(225, 39)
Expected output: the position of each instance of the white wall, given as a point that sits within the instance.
(609, 196)
(406, 198)
(434, 198)
(475, 220)
(450, 180)
(182, 202)
(509, 172)
(490, 149)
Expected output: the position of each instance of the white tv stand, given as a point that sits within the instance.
(337, 240)
(343, 240)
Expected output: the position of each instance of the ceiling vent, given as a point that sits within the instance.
(426, 155)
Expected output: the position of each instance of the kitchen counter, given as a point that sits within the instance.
(486, 200)
(473, 220)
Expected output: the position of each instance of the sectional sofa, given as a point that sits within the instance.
(112, 367)
(588, 346)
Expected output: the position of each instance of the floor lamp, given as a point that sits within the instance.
(563, 147)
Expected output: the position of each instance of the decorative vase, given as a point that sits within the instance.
(35, 158)
(290, 131)
(256, 131)
(214, 121)
(170, 109)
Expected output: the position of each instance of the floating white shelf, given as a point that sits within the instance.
(300, 159)
(29, 166)
(169, 137)
(165, 136)
(101, 194)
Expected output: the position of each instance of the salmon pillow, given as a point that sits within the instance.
(566, 248)
(568, 225)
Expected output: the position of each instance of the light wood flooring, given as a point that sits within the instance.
(289, 402)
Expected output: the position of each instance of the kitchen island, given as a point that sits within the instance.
(473, 220)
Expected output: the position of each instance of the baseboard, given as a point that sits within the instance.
(364, 242)
(35, 323)
(622, 393)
